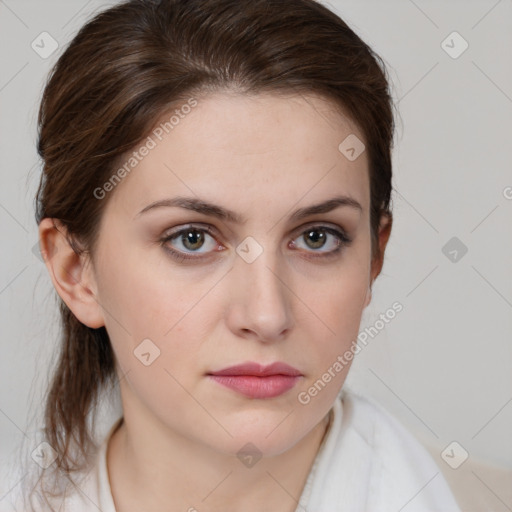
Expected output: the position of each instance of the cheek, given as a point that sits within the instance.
(337, 304)
(155, 335)
(339, 292)
(146, 297)
(340, 318)
(339, 310)
(145, 301)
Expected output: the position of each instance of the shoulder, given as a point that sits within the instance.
(389, 468)
(35, 494)
(88, 490)
(379, 429)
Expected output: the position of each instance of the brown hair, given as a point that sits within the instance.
(135, 61)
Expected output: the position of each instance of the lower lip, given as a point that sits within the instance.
(258, 387)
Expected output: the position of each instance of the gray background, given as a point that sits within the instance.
(443, 366)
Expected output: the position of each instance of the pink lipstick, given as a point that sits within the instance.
(256, 381)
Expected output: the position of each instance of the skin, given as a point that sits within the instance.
(263, 157)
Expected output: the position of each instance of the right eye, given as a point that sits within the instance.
(188, 241)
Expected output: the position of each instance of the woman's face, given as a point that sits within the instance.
(267, 283)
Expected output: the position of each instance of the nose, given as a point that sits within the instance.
(260, 299)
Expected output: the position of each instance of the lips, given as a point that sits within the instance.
(258, 370)
(256, 381)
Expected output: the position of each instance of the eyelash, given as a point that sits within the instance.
(344, 241)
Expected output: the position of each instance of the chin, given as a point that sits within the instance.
(267, 433)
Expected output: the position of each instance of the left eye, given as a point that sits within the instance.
(320, 237)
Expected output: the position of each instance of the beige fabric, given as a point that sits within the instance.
(477, 486)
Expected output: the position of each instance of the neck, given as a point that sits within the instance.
(172, 472)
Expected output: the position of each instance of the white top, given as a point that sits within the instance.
(367, 462)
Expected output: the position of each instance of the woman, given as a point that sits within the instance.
(213, 212)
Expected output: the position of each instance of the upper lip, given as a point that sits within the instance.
(258, 370)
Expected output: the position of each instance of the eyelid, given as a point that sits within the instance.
(192, 225)
(321, 225)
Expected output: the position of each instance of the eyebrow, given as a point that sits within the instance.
(213, 210)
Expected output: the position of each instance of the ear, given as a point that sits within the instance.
(386, 222)
(72, 274)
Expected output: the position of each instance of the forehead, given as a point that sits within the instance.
(238, 150)
(257, 124)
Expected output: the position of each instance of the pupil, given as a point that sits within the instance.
(317, 237)
(192, 238)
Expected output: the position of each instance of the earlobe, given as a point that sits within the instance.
(71, 273)
(368, 297)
